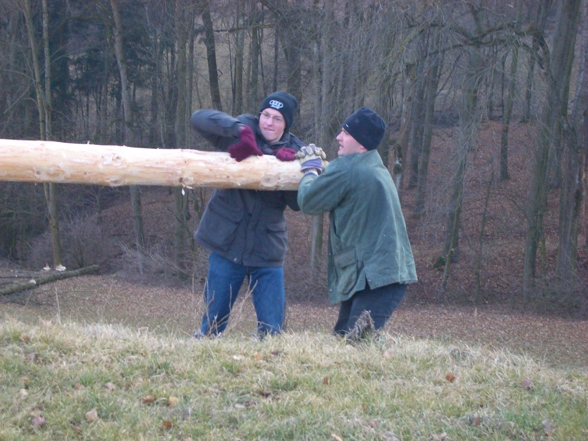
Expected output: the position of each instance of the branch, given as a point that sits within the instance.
(34, 282)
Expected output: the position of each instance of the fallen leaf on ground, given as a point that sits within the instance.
(38, 421)
(475, 420)
(91, 415)
(527, 384)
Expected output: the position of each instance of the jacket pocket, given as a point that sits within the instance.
(346, 270)
(219, 225)
(272, 243)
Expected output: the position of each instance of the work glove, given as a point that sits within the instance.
(311, 157)
(246, 146)
(286, 154)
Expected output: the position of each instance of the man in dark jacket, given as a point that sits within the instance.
(370, 259)
(245, 230)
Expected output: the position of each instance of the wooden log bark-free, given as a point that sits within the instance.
(66, 163)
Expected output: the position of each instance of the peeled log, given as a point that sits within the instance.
(66, 163)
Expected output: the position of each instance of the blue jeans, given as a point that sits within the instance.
(381, 302)
(222, 288)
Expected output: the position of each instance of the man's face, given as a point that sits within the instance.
(272, 125)
(348, 145)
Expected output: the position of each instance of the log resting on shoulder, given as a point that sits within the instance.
(67, 163)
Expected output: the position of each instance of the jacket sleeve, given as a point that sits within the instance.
(219, 128)
(321, 194)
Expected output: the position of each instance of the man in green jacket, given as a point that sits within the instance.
(370, 259)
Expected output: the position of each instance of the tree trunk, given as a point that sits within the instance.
(64, 163)
(417, 113)
(256, 47)
(467, 134)
(50, 191)
(431, 85)
(316, 241)
(33, 282)
(506, 116)
(239, 61)
(558, 71)
(211, 56)
(291, 36)
(43, 107)
(574, 154)
(183, 26)
(36, 69)
(540, 24)
(129, 134)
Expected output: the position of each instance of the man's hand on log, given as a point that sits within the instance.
(246, 146)
(286, 154)
(311, 158)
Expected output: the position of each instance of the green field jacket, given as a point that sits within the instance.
(368, 241)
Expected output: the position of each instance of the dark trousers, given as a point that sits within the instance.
(381, 302)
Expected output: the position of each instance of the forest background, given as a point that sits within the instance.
(486, 105)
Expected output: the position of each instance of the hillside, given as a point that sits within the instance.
(104, 382)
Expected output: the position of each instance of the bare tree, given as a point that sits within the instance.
(43, 94)
(538, 30)
(211, 55)
(468, 128)
(432, 76)
(557, 65)
(129, 133)
(507, 114)
(574, 162)
(184, 22)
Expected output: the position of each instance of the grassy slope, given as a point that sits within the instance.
(66, 381)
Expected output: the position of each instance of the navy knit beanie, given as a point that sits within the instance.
(284, 103)
(366, 127)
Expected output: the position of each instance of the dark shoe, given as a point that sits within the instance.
(364, 327)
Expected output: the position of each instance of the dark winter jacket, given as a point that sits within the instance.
(245, 226)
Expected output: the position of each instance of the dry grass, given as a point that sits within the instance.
(177, 311)
(104, 382)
